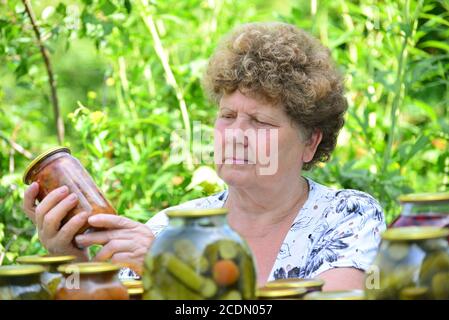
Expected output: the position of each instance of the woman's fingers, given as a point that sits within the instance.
(114, 247)
(98, 237)
(126, 260)
(69, 229)
(111, 221)
(49, 202)
(29, 201)
(52, 219)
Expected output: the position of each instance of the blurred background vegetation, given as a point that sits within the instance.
(128, 76)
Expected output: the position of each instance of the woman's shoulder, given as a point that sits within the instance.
(343, 203)
(160, 219)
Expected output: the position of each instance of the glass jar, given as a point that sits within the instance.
(280, 293)
(91, 281)
(56, 168)
(336, 295)
(310, 285)
(423, 209)
(135, 289)
(198, 256)
(412, 263)
(51, 277)
(22, 283)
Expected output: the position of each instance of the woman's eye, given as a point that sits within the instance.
(262, 123)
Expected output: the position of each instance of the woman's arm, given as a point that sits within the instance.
(343, 279)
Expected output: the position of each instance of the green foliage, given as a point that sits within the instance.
(128, 78)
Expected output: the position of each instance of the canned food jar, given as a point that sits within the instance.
(423, 209)
(56, 168)
(280, 293)
(310, 285)
(50, 278)
(336, 295)
(198, 256)
(91, 281)
(20, 282)
(412, 263)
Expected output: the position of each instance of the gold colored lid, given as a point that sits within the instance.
(21, 270)
(296, 283)
(131, 284)
(195, 213)
(135, 291)
(336, 295)
(414, 233)
(41, 157)
(88, 267)
(46, 259)
(270, 292)
(424, 197)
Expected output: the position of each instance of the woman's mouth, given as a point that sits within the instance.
(235, 161)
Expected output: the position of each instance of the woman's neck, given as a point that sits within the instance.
(255, 212)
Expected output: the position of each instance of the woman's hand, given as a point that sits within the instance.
(125, 242)
(47, 217)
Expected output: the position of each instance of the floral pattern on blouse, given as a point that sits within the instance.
(334, 228)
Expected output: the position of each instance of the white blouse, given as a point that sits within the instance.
(334, 228)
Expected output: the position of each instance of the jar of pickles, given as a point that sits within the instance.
(135, 289)
(423, 209)
(280, 293)
(336, 295)
(310, 285)
(56, 168)
(22, 283)
(198, 256)
(412, 263)
(51, 277)
(91, 281)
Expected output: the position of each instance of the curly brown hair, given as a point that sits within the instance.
(285, 66)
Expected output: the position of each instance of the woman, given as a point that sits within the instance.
(279, 94)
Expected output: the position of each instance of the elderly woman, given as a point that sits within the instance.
(278, 93)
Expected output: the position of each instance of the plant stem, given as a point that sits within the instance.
(51, 79)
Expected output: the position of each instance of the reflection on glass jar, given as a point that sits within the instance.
(424, 209)
(22, 283)
(56, 168)
(310, 285)
(280, 293)
(198, 256)
(412, 263)
(91, 281)
(336, 295)
(51, 277)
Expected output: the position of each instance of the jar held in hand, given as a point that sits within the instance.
(57, 167)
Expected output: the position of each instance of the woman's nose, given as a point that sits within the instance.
(238, 132)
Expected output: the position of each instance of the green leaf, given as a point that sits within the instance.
(107, 7)
(128, 6)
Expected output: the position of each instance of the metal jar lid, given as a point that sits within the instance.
(42, 157)
(196, 213)
(414, 233)
(279, 293)
(336, 295)
(45, 259)
(424, 197)
(296, 283)
(88, 267)
(21, 270)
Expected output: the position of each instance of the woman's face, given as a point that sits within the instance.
(256, 144)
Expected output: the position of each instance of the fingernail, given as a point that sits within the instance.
(93, 219)
(73, 197)
(79, 238)
(34, 184)
(63, 189)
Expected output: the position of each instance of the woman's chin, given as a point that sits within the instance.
(237, 175)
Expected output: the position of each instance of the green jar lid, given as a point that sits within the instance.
(279, 293)
(296, 283)
(88, 267)
(21, 270)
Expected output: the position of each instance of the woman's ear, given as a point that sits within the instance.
(311, 145)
